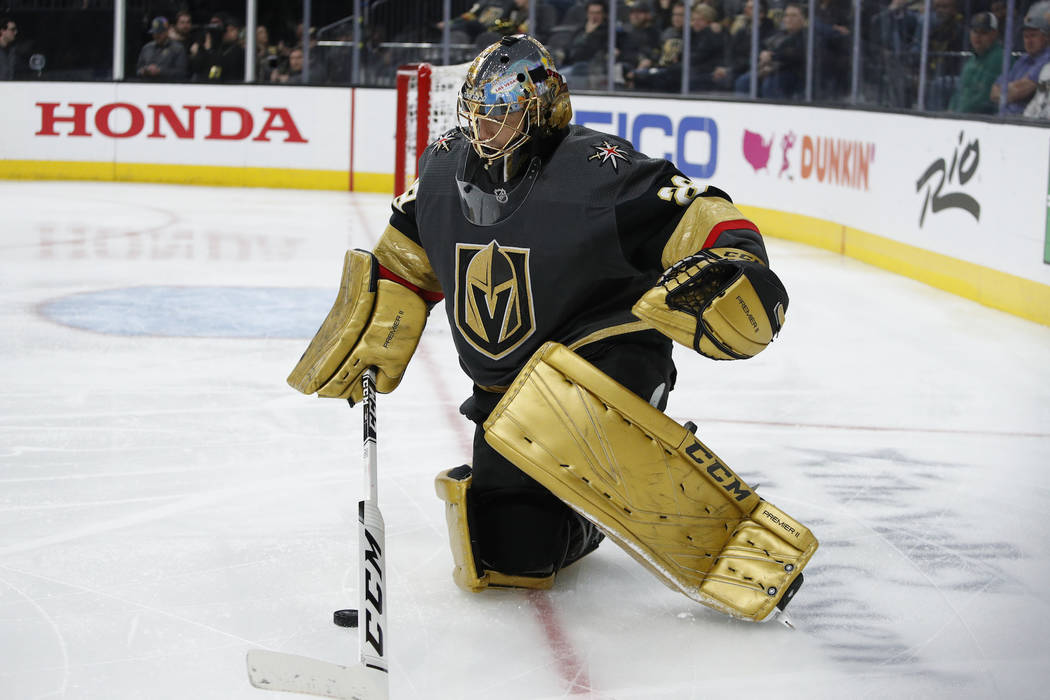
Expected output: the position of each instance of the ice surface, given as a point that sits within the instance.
(167, 502)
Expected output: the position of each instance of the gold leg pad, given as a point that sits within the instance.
(452, 486)
(649, 484)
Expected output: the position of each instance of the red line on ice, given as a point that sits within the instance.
(566, 660)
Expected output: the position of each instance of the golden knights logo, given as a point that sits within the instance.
(493, 297)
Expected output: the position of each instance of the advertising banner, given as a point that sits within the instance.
(963, 205)
(974, 191)
(199, 126)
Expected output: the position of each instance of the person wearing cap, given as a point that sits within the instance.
(973, 94)
(643, 34)
(1023, 77)
(162, 59)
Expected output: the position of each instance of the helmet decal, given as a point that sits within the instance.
(512, 93)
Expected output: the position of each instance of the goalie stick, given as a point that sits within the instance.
(368, 679)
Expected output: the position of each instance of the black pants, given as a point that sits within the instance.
(518, 527)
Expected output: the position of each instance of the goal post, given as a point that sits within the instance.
(426, 107)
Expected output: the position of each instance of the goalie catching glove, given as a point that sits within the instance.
(374, 322)
(722, 302)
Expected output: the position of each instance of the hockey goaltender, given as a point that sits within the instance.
(570, 262)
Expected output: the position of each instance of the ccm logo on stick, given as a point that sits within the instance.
(374, 594)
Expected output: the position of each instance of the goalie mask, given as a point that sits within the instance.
(512, 101)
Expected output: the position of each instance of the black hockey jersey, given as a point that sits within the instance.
(566, 265)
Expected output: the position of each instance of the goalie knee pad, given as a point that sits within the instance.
(650, 485)
(469, 571)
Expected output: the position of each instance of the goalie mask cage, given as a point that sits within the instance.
(426, 107)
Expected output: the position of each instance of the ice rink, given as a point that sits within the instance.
(167, 502)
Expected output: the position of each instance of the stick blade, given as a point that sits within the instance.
(289, 673)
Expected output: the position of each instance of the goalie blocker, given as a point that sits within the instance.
(650, 485)
(375, 321)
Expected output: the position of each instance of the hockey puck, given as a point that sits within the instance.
(345, 618)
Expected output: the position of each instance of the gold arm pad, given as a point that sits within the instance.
(405, 258)
(689, 236)
(648, 483)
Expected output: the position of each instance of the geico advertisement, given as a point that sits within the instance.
(686, 133)
(178, 124)
(728, 144)
(974, 191)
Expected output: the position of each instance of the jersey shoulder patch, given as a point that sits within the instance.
(447, 141)
(599, 150)
(606, 151)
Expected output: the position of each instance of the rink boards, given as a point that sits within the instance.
(959, 204)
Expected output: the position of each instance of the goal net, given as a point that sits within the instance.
(426, 108)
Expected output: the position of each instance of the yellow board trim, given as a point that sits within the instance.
(211, 175)
(999, 290)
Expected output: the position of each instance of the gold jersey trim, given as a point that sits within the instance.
(621, 329)
(611, 331)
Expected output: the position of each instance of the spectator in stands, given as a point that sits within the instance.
(162, 59)
(516, 19)
(946, 43)
(482, 17)
(707, 47)
(643, 36)
(894, 54)
(593, 37)
(998, 8)
(266, 56)
(180, 30)
(221, 58)
(666, 74)
(833, 43)
(730, 9)
(318, 64)
(1039, 106)
(663, 14)
(587, 54)
(973, 94)
(1023, 77)
(738, 46)
(292, 72)
(673, 30)
(8, 33)
(947, 32)
(781, 64)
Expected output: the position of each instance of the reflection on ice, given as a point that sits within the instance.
(167, 503)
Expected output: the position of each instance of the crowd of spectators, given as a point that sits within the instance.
(655, 50)
(963, 62)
